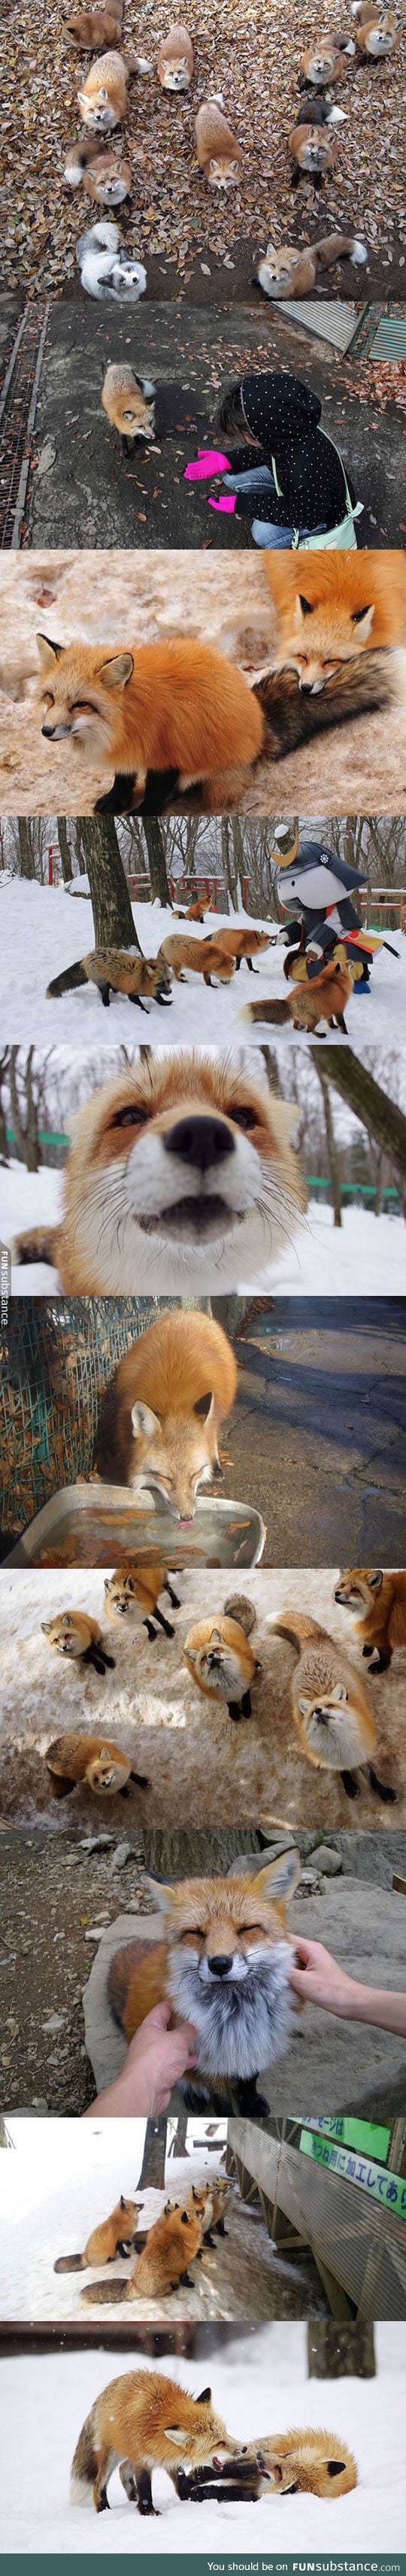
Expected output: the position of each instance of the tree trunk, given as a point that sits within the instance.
(64, 851)
(26, 1134)
(178, 2147)
(381, 1117)
(156, 859)
(152, 2176)
(112, 915)
(340, 2352)
(333, 1160)
(27, 868)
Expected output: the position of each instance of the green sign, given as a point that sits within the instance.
(363, 2134)
(387, 2188)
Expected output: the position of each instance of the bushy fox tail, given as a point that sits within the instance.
(70, 2263)
(65, 983)
(276, 1012)
(85, 2462)
(103, 2294)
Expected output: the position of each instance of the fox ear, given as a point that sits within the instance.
(305, 1706)
(175, 2433)
(204, 2397)
(115, 673)
(123, 2203)
(375, 1581)
(215, 1638)
(339, 1693)
(143, 1421)
(280, 1876)
(162, 1894)
(48, 653)
(202, 1408)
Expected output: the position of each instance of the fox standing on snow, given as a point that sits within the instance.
(140, 2422)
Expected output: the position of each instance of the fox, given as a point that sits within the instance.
(104, 268)
(332, 607)
(73, 1633)
(376, 1602)
(195, 911)
(331, 1707)
(223, 1962)
(290, 272)
(94, 29)
(313, 143)
(116, 970)
(143, 2421)
(175, 713)
(315, 1006)
(115, 2235)
(205, 957)
(90, 164)
(375, 37)
(103, 101)
(133, 1593)
(95, 1763)
(221, 1662)
(175, 60)
(180, 1168)
(247, 942)
(304, 2461)
(324, 64)
(162, 1412)
(171, 2245)
(129, 403)
(219, 155)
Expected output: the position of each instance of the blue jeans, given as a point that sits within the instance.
(263, 531)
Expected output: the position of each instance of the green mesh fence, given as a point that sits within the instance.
(55, 1360)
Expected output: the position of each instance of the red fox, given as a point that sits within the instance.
(330, 1704)
(180, 1172)
(133, 1592)
(219, 155)
(103, 101)
(313, 143)
(375, 37)
(304, 2462)
(334, 606)
(93, 29)
(195, 911)
(221, 1662)
(376, 1602)
(116, 970)
(92, 1761)
(291, 272)
(129, 402)
(144, 2421)
(247, 942)
(73, 1633)
(205, 957)
(104, 179)
(223, 1963)
(314, 1006)
(177, 711)
(115, 2235)
(171, 2245)
(175, 62)
(163, 1410)
(324, 64)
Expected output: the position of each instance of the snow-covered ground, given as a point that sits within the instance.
(42, 932)
(259, 2386)
(358, 1259)
(63, 2179)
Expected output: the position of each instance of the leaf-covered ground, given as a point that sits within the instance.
(251, 55)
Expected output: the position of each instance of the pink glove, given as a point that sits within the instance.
(209, 461)
(228, 502)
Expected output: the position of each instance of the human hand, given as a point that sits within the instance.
(318, 1979)
(157, 2058)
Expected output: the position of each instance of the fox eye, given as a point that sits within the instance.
(243, 1116)
(359, 613)
(193, 1932)
(131, 1117)
(48, 699)
(83, 707)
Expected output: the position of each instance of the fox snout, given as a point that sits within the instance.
(200, 1141)
(221, 1965)
(55, 733)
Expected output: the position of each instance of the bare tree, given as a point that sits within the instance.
(64, 850)
(152, 2176)
(157, 862)
(25, 843)
(333, 1156)
(383, 1119)
(25, 1127)
(112, 915)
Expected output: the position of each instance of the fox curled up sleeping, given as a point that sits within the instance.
(223, 1962)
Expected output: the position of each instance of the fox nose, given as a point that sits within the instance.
(220, 1966)
(200, 1141)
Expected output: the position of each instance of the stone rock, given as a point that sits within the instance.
(328, 1860)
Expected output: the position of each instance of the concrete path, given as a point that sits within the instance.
(318, 1431)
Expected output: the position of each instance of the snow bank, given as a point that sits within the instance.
(358, 1259)
(42, 933)
(259, 2384)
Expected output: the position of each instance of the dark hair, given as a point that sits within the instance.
(230, 417)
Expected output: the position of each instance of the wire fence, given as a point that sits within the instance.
(55, 1362)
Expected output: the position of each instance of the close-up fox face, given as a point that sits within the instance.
(219, 1927)
(220, 1658)
(181, 1173)
(64, 1633)
(76, 686)
(332, 607)
(357, 1587)
(176, 1458)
